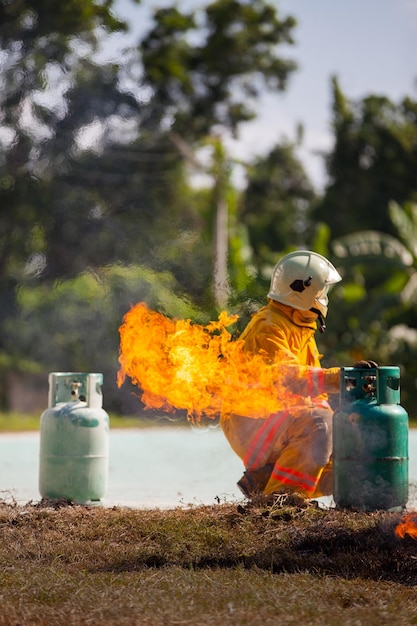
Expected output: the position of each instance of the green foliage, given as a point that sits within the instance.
(379, 280)
(405, 221)
(86, 233)
(374, 161)
(32, 20)
(66, 211)
(275, 204)
(206, 73)
(368, 215)
(40, 44)
(72, 325)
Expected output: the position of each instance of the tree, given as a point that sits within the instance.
(378, 313)
(72, 325)
(88, 208)
(66, 209)
(38, 52)
(374, 161)
(372, 170)
(207, 73)
(276, 204)
(37, 47)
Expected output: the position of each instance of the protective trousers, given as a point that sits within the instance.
(290, 450)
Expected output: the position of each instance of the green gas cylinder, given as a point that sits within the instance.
(370, 441)
(74, 432)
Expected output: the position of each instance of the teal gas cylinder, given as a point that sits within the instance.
(370, 441)
(74, 434)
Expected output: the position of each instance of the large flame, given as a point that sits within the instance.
(181, 365)
(407, 526)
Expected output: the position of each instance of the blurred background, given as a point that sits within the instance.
(170, 152)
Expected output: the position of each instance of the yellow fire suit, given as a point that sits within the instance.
(289, 450)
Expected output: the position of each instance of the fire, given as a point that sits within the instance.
(407, 526)
(181, 365)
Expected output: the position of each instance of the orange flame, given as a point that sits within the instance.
(181, 365)
(407, 526)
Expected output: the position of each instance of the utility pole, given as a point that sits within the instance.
(221, 285)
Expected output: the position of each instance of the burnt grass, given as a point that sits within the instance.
(286, 535)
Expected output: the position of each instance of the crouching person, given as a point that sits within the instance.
(290, 450)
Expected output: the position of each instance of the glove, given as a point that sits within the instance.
(365, 364)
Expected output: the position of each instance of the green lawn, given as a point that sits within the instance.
(17, 422)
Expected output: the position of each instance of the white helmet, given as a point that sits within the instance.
(301, 280)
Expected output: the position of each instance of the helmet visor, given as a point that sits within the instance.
(322, 300)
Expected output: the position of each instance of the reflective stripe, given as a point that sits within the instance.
(310, 383)
(261, 441)
(290, 476)
(320, 381)
(315, 381)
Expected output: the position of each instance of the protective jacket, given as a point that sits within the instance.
(291, 448)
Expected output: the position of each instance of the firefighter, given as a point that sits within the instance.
(290, 450)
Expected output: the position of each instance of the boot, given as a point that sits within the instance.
(254, 481)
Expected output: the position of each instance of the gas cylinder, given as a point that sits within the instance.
(74, 433)
(370, 441)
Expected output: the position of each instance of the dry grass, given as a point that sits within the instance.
(283, 563)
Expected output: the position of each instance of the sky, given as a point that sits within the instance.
(370, 45)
